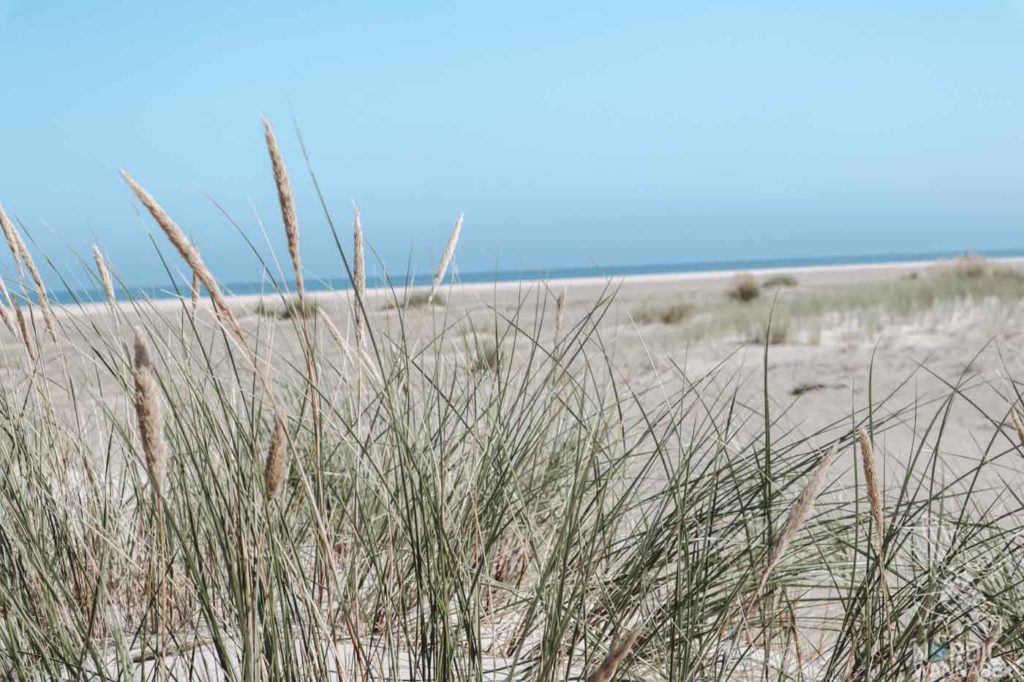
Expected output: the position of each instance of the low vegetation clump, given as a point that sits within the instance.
(939, 288)
(971, 265)
(671, 314)
(290, 309)
(415, 299)
(744, 288)
(371, 506)
(780, 280)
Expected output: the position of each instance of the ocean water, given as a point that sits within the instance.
(341, 283)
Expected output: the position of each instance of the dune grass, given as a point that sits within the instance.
(780, 280)
(287, 310)
(428, 520)
(670, 314)
(414, 299)
(744, 288)
(967, 280)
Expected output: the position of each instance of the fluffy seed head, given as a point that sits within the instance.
(4, 305)
(11, 236)
(446, 257)
(101, 266)
(287, 201)
(273, 473)
(147, 413)
(22, 255)
(188, 252)
(794, 521)
(358, 275)
(871, 479)
(26, 337)
(37, 279)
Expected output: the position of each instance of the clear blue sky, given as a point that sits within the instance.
(570, 133)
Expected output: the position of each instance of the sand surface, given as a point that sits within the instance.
(818, 376)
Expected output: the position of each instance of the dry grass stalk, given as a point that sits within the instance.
(287, 201)
(19, 316)
(446, 258)
(11, 237)
(273, 473)
(985, 652)
(358, 276)
(5, 316)
(794, 521)
(358, 301)
(4, 312)
(101, 266)
(877, 510)
(188, 252)
(1018, 425)
(18, 249)
(291, 230)
(147, 413)
(610, 664)
(560, 311)
(196, 285)
(867, 454)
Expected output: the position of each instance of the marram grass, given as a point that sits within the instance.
(539, 520)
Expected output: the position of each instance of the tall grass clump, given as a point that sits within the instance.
(744, 287)
(214, 502)
(780, 280)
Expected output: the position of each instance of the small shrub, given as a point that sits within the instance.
(780, 280)
(744, 287)
(673, 314)
(415, 299)
(1006, 273)
(971, 265)
(290, 310)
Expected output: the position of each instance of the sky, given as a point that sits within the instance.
(571, 134)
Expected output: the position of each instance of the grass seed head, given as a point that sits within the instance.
(187, 251)
(798, 514)
(11, 236)
(105, 278)
(274, 472)
(147, 412)
(873, 484)
(446, 257)
(287, 201)
(21, 255)
(358, 276)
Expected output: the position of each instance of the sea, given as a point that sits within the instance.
(268, 285)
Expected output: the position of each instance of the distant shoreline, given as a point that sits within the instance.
(858, 267)
(712, 275)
